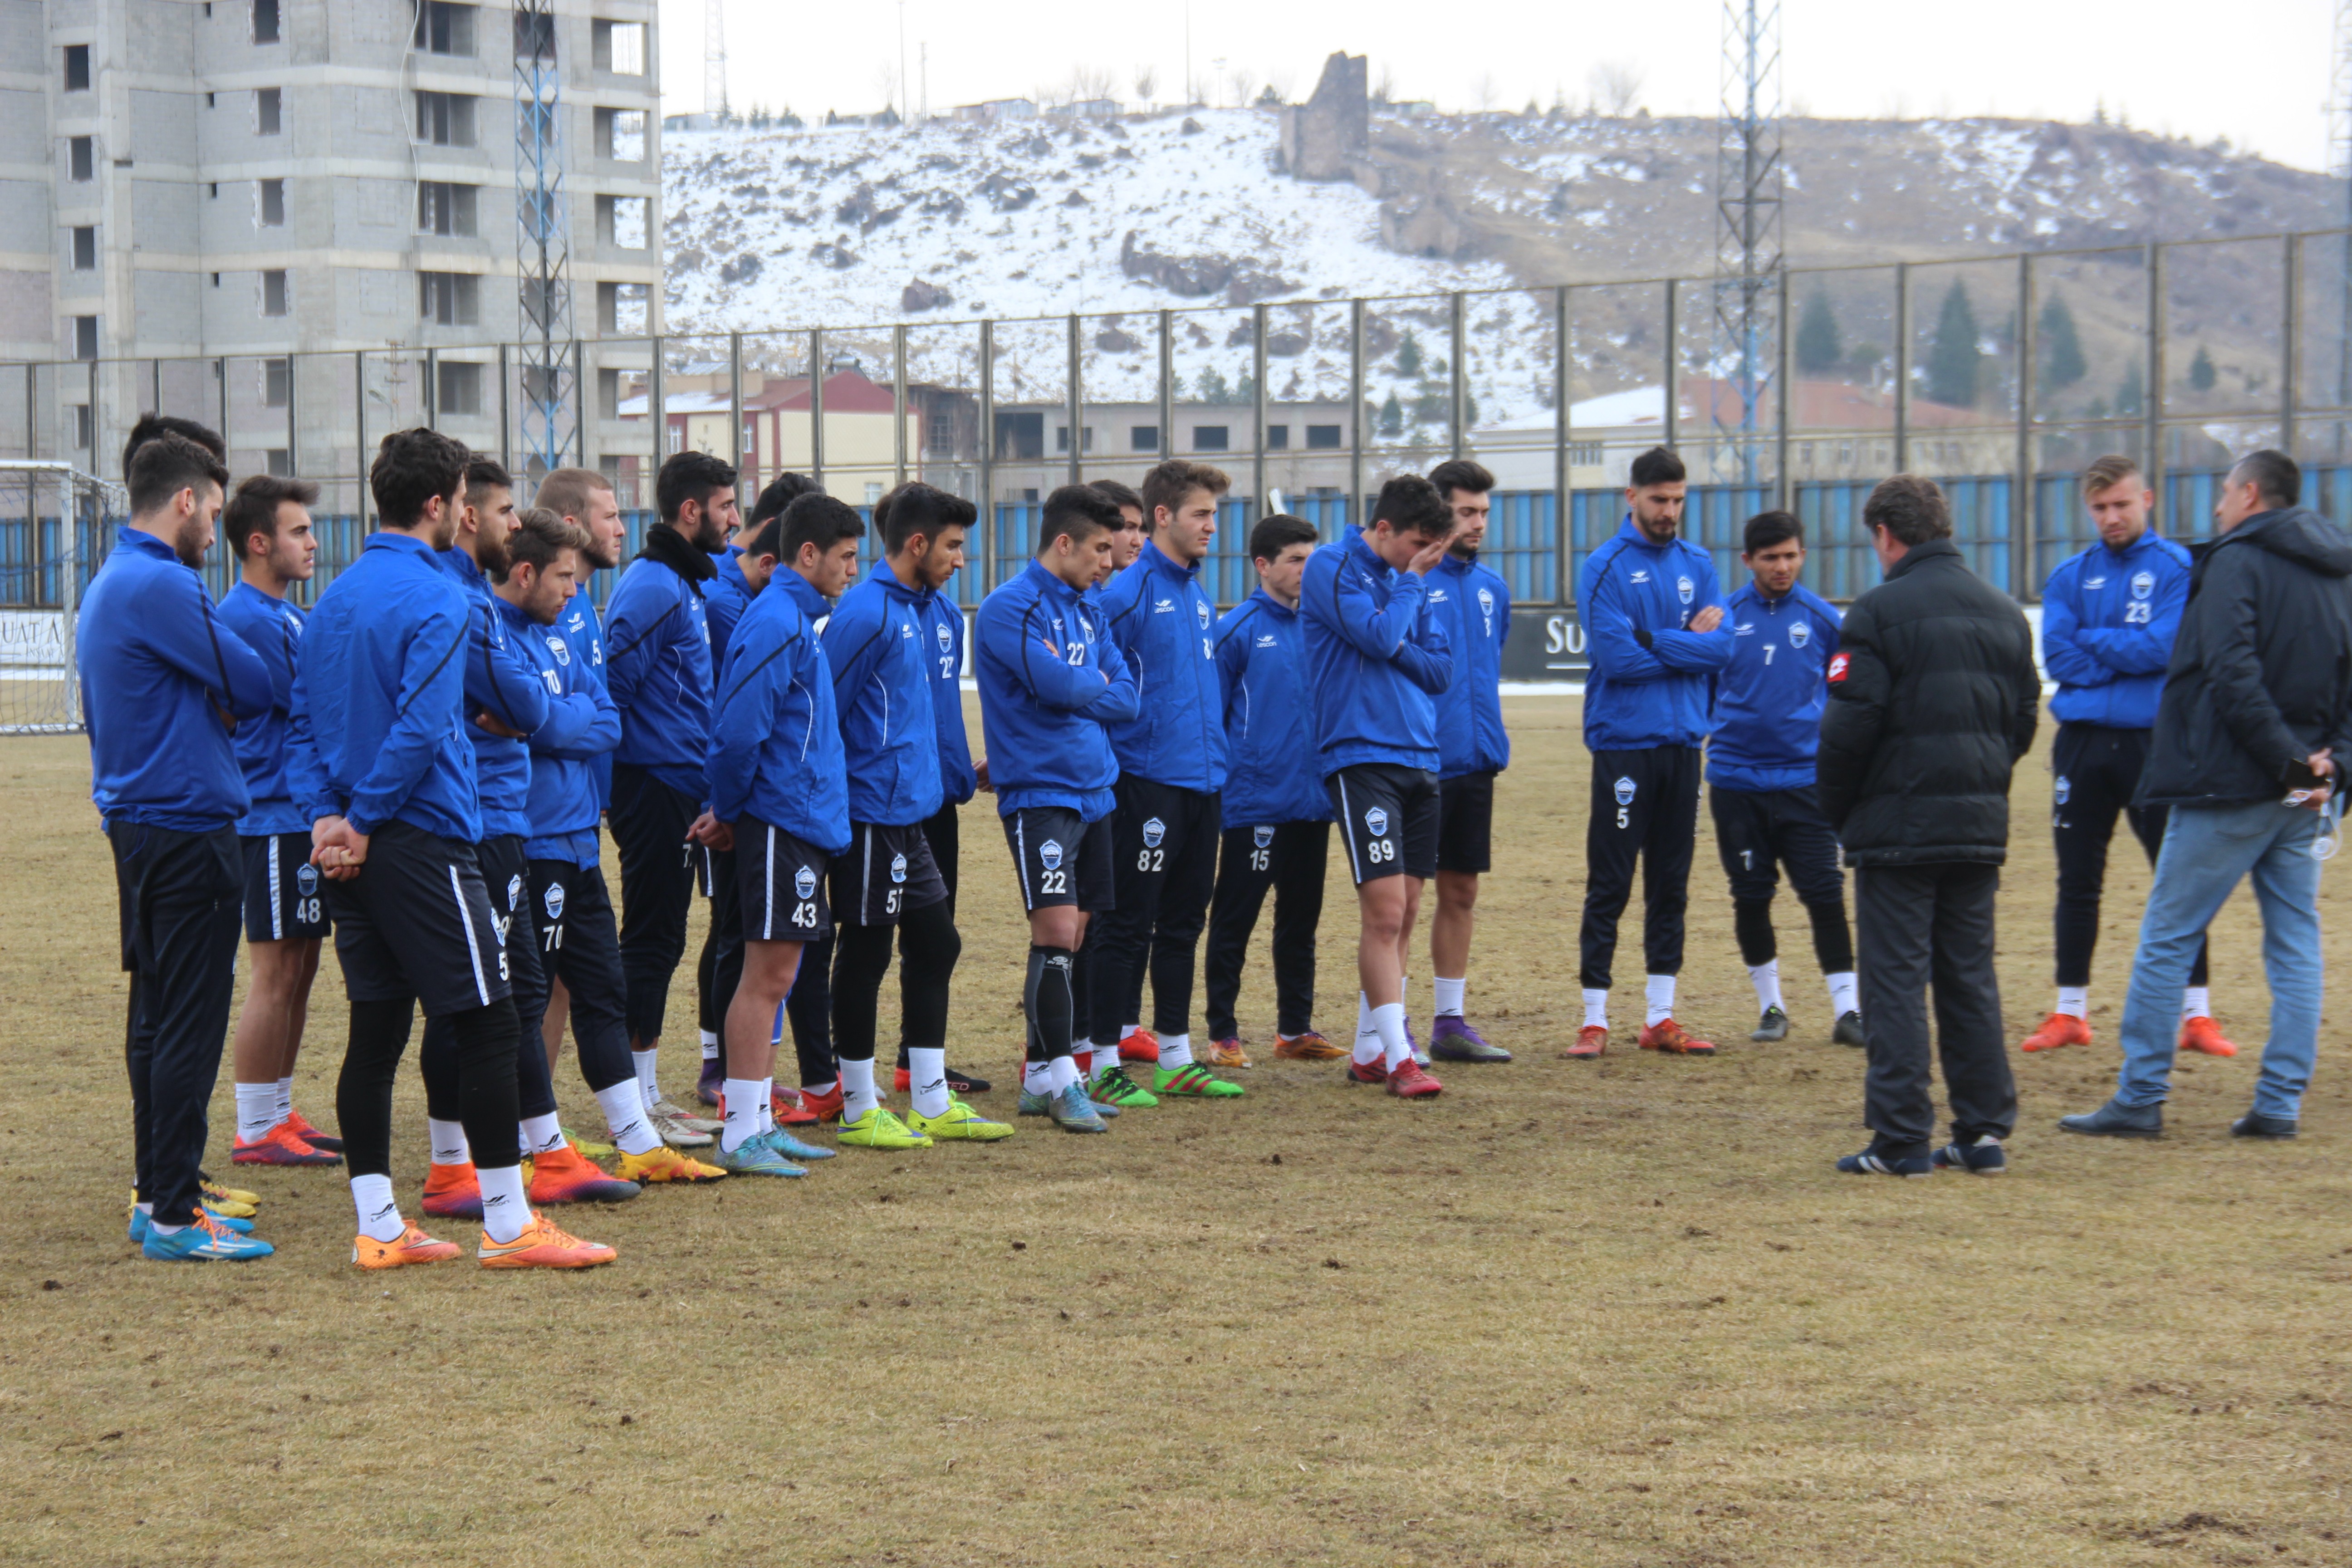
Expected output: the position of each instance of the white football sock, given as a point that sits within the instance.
(2074, 1001)
(1175, 1051)
(1060, 1073)
(1765, 978)
(2196, 1002)
(825, 1088)
(1596, 1009)
(1037, 1078)
(506, 1203)
(1369, 1049)
(647, 1081)
(766, 1105)
(285, 1098)
(256, 1111)
(448, 1139)
(1449, 997)
(857, 1095)
(378, 1210)
(541, 1135)
(625, 1113)
(147, 1209)
(1660, 992)
(744, 1103)
(927, 1076)
(710, 1045)
(1106, 1057)
(158, 1227)
(1845, 993)
(1389, 1019)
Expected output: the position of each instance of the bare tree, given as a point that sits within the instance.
(1384, 86)
(1482, 89)
(1091, 82)
(1616, 87)
(1146, 79)
(1244, 83)
(885, 84)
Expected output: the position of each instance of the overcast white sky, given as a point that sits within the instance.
(2253, 71)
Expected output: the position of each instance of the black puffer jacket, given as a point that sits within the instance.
(1933, 697)
(2261, 671)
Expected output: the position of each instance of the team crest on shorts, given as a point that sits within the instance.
(552, 901)
(2143, 583)
(1261, 837)
(1153, 832)
(306, 879)
(514, 894)
(1624, 791)
(1376, 822)
(898, 868)
(1049, 854)
(1686, 589)
(2062, 790)
(1800, 633)
(804, 883)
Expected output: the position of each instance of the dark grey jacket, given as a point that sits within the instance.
(1933, 697)
(2261, 671)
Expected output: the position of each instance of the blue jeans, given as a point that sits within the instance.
(2206, 851)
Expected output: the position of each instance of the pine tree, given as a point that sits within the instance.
(1408, 359)
(1213, 386)
(1819, 349)
(1955, 363)
(2061, 349)
(1391, 416)
(2201, 374)
(2131, 392)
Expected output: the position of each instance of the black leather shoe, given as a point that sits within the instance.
(2117, 1120)
(2254, 1124)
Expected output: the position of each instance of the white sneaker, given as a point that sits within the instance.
(677, 1129)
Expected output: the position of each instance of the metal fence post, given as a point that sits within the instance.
(2290, 339)
(816, 405)
(1458, 392)
(506, 411)
(1074, 403)
(69, 590)
(987, 497)
(1784, 397)
(359, 429)
(293, 402)
(898, 405)
(2023, 547)
(1673, 400)
(32, 412)
(1167, 384)
(735, 409)
(2152, 404)
(432, 389)
(579, 404)
(1355, 411)
(1562, 470)
(220, 383)
(1901, 367)
(97, 420)
(658, 405)
(1257, 405)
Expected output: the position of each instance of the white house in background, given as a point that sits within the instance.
(1604, 435)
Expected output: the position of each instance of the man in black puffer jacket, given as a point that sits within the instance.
(2255, 718)
(1933, 699)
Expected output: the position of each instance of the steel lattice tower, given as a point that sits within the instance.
(1746, 351)
(714, 58)
(542, 252)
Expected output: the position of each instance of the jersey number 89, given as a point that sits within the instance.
(1380, 850)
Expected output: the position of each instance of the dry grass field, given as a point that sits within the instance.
(1610, 1314)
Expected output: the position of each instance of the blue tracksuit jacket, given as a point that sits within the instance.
(882, 680)
(1269, 717)
(378, 723)
(775, 745)
(1376, 659)
(1051, 681)
(582, 725)
(1768, 698)
(1474, 604)
(943, 635)
(157, 666)
(272, 627)
(502, 681)
(2108, 618)
(1637, 696)
(724, 599)
(582, 627)
(658, 668)
(1164, 625)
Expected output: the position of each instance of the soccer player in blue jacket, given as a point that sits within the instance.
(1376, 663)
(877, 644)
(1136, 1043)
(1277, 821)
(1759, 774)
(1051, 683)
(267, 525)
(1474, 604)
(2109, 617)
(1171, 764)
(165, 686)
(1652, 615)
(658, 668)
(382, 763)
(780, 799)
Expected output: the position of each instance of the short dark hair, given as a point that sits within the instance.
(1121, 495)
(1169, 483)
(540, 534)
(150, 425)
(916, 508)
(484, 472)
(1277, 532)
(253, 509)
(1077, 510)
(1911, 507)
(780, 493)
(411, 468)
(167, 464)
(2273, 474)
(1658, 465)
(1767, 529)
(1410, 504)
(689, 477)
(813, 519)
(1460, 474)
